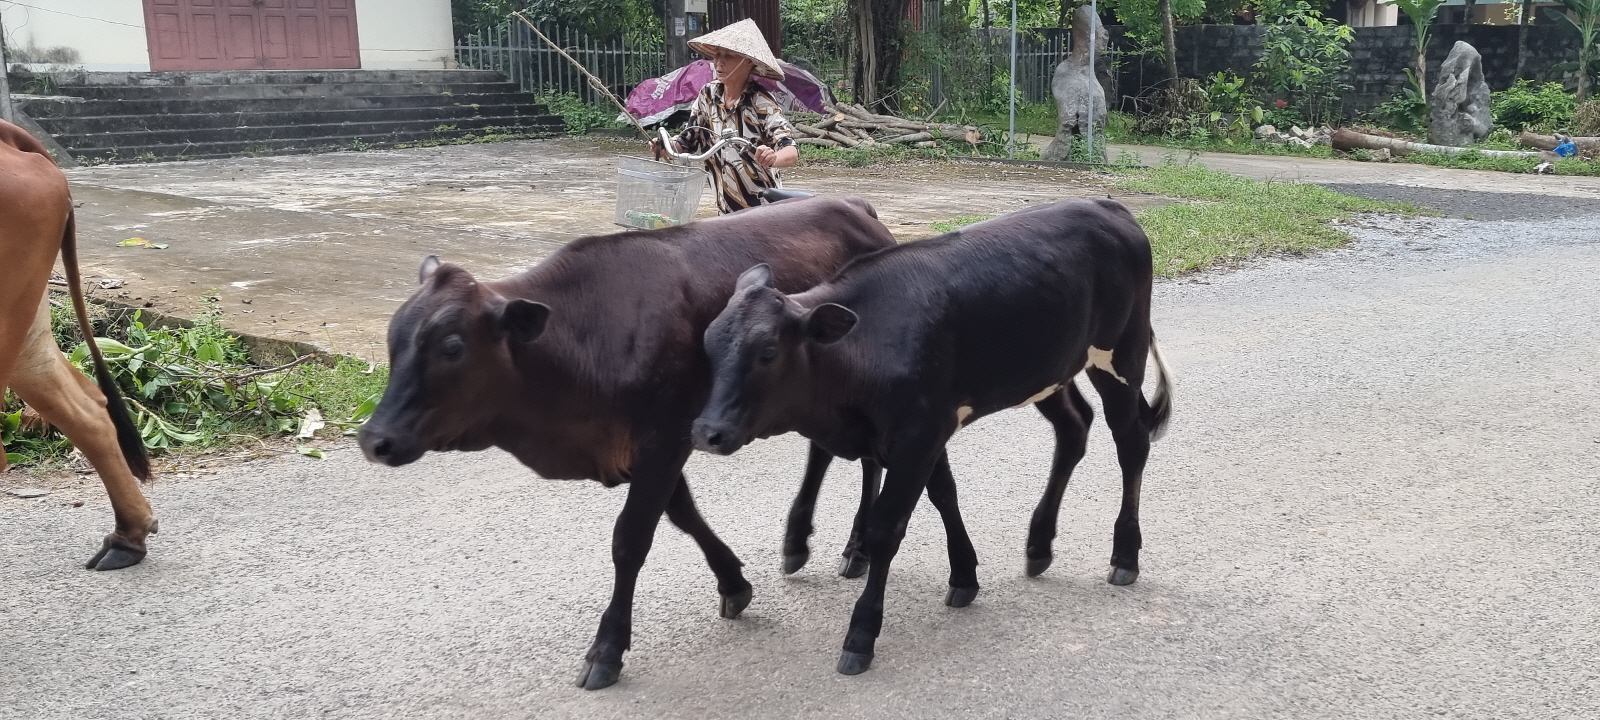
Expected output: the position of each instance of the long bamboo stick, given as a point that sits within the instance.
(593, 81)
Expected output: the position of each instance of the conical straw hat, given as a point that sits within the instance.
(745, 38)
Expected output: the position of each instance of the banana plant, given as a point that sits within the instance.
(1587, 25)
(1422, 13)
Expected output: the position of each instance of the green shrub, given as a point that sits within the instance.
(1537, 108)
(580, 117)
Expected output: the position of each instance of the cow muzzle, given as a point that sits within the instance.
(715, 437)
(381, 447)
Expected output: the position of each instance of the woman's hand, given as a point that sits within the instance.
(658, 152)
(767, 157)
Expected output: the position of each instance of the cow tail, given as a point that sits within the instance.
(1158, 410)
(128, 437)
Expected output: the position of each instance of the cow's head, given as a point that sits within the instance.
(758, 350)
(449, 366)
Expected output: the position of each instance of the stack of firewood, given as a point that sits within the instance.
(854, 126)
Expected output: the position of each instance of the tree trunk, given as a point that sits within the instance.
(878, 26)
(1522, 38)
(1422, 71)
(988, 22)
(1347, 140)
(1585, 56)
(1169, 39)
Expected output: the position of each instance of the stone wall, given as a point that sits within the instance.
(1378, 57)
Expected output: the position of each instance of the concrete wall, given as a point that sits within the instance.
(1378, 57)
(109, 35)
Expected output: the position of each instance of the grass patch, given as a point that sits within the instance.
(195, 387)
(1236, 217)
(945, 226)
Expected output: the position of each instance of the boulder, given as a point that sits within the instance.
(1080, 98)
(1458, 111)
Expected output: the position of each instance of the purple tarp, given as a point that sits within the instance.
(657, 98)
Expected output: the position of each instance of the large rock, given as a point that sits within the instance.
(1080, 98)
(1459, 104)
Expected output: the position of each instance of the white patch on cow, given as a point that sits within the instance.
(1042, 394)
(1101, 360)
(962, 413)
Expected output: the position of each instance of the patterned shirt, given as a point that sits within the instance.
(735, 174)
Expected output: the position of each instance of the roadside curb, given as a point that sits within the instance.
(264, 351)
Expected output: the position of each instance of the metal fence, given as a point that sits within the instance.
(970, 64)
(620, 61)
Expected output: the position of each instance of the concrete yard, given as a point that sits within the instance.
(325, 247)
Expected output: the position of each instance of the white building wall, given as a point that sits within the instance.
(405, 34)
(109, 35)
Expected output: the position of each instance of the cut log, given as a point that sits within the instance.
(1348, 140)
(927, 144)
(912, 138)
(1585, 145)
(842, 139)
(824, 142)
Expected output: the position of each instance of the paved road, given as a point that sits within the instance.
(1378, 500)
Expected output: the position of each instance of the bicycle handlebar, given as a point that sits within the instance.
(666, 147)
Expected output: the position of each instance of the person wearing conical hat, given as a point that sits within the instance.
(733, 102)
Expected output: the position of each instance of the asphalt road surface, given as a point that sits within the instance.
(1378, 499)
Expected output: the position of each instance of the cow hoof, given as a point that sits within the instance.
(1122, 576)
(854, 663)
(1037, 566)
(854, 565)
(793, 562)
(114, 557)
(599, 675)
(734, 604)
(960, 597)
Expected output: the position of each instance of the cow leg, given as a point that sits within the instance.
(886, 528)
(797, 533)
(66, 399)
(649, 491)
(963, 557)
(1070, 414)
(1120, 400)
(855, 562)
(731, 585)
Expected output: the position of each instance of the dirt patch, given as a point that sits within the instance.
(322, 248)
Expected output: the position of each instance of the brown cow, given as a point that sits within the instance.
(589, 366)
(36, 221)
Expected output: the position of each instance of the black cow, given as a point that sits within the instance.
(589, 366)
(887, 359)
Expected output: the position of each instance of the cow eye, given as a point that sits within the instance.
(768, 353)
(452, 348)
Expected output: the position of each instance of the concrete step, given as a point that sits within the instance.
(285, 146)
(131, 117)
(77, 125)
(277, 90)
(77, 144)
(271, 77)
(92, 108)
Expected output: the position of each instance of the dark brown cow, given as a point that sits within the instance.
(590, 366)
(36, 222)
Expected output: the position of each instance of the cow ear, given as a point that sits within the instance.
(758, 276)
(828, 323)
(524, 320)
(430, 265)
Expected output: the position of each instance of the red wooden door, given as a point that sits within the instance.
(252, 34)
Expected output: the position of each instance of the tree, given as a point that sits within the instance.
(1422, 13)
(1169, 40)
(879, 30)
(1588, 28)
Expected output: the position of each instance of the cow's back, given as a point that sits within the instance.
(989, 300)
(629, 310)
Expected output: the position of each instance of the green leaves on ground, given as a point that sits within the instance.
(197, 386)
